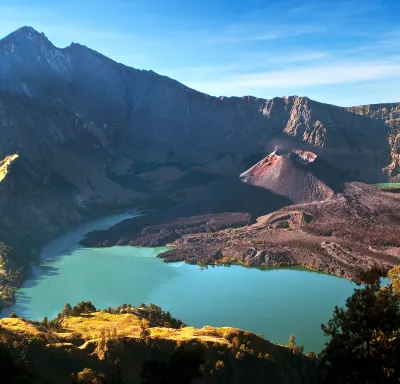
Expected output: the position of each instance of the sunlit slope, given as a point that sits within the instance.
(5, 163)
(134, 343)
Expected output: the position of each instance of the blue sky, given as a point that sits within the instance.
(344, 52)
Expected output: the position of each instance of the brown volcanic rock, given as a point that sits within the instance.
(344, 236)
(143, 231)
(291, 175)
(167, 233)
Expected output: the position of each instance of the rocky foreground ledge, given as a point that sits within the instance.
(344, 236)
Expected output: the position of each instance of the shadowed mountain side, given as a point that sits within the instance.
(327, 174)
(125, 109)
(23, 225)
(58, 179)
(36, 203)
(232, 195)
(390, 114)
(237, 203)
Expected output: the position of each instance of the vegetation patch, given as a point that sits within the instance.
(5, 163)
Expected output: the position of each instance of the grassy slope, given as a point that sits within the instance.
(128, 346)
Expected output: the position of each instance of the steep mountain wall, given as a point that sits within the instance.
(390, 114)
(94, 135)
(154, 119)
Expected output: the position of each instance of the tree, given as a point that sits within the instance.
(292, 342)
(67, 310)
(87, 376)
(394, 276)
(45, 322)
(372, 275)
(295, 348)
(219, 365)
(363, 337)
(81, 307)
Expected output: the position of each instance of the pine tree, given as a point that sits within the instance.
(45, 322)
(67, 310)
(363, 338)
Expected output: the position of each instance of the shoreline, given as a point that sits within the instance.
(315, 236)
(345, 236)
(83, 228)
(153, 281)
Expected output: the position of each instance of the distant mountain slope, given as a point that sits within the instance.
(97, 135)
(390, 114)
(154, 119)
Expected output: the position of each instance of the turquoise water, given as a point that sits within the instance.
(275, 302)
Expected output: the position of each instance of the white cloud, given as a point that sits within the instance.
(297, 57)
(295, 78)
(247, 32)
(243, 64)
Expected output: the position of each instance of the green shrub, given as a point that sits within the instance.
(283, 225)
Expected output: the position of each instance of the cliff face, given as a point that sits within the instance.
(390, 114)
(154, 119)
(100, 135)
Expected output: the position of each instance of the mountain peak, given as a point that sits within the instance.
(27, 30)
(25, 33)
(296, 174)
